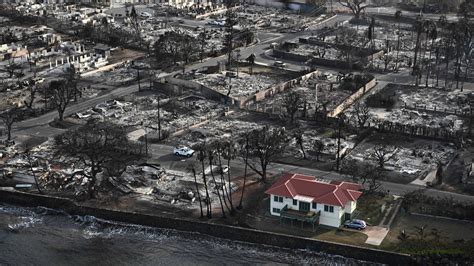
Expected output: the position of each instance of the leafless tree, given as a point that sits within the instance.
(12, 67)
(62, 95)
(365, 174)
(32, 89)
(292, 102)
(9, 117)
(230, 22)
(98, 147)
(361, 113)
(265, 145)
(318, 147)
(356, 6)
(298, 135)
(382, 154)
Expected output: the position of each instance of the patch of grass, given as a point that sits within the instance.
(369, 207)
(431, 247)
(341, 236)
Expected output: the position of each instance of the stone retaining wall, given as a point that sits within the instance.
(221, 231)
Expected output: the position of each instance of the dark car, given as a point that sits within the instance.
(355, 224)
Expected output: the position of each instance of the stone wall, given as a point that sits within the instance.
(216, 230)
(261, 95)
(354, 97)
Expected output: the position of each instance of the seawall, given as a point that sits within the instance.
(215, 230)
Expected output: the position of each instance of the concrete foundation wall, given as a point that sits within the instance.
(216, 230)
(354, 97)
(316, 60)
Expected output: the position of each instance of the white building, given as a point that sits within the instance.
(307, 199)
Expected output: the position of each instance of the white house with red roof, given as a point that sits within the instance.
(300, 197)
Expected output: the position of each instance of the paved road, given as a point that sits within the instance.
(164, 156)
(39, 126)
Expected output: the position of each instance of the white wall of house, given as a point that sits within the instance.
(326, 217)
(331, 218)
(350, 206)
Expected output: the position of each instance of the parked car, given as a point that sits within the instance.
(183, 151)
(145, 14)
(279, 64)
(216, 170)
(355, 224)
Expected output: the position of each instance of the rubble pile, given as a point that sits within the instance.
(243, 86)
(330, 144)
(410, 158)
(142, 112)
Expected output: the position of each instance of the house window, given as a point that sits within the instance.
(276, 210)
(277, 199)
(295, 202)
(328, 208)
(314, 205)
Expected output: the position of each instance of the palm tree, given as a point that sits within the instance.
(201, 156)
(398, 16)
(197, 191)
(433, 35)
(419, 23)
(211, 152)
(244, 146)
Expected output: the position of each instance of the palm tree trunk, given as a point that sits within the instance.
(217, 189)
(208, 203)
(197, 192)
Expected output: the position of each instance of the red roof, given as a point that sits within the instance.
(336, 193)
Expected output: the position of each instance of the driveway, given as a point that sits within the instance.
(375, 234)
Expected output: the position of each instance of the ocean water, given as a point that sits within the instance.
(40, 236)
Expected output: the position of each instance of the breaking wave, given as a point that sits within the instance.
(192, 245)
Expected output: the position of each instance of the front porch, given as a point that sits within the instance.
(311, 217)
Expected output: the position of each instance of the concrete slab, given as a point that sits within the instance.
(376, 234)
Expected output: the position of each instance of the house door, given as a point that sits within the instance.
(347, 216)
(304, 206)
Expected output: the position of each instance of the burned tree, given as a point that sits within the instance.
(361, 114)
(230, 22)
(382, 154)
(365, 174)
(100, 148)
(72, 77)
(245, 153)
(211, 153)
(292, 102)
(9, 117)
(356, 6)
(201, 149)
(398, 16)
(32, 89)
(62, 94)
(12, 67)
(298, 135)
(318, 147)
(265, 145)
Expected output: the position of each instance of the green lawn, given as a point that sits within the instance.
(369, 207)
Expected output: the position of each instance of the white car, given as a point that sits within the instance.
(183, 151)
(145, 14)
(279, 64)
